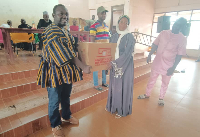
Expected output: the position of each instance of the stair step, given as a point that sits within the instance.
(29, 100)
(30, 64)
(14, 88)
(17, 87)
(139, 59)
(141, 72)
(20, 64)
(139, 54)
(37, 118)
(18, 75)
(14, 75)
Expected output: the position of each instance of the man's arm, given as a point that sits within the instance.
(171, 70)
(153, 50)
(85, 68)
(177, 61)
(181, 52)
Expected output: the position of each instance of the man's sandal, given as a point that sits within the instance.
(72, 121)
(161, 102)
(105, 85)
(99, 88)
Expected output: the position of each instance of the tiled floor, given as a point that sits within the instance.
(178, 118)
(25, 61)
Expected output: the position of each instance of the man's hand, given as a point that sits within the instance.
(170, 71)
(149, 59)
(86, 69)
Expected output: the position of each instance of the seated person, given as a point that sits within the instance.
(43, 23)
(25, 46)
(24, 25)
(8, 25)
(74, 27)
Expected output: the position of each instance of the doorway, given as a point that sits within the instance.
(116, 12)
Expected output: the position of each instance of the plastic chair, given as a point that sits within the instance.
(23, 37)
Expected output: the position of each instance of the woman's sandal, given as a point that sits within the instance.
(161, 102)
(143, 96)
(118, 116)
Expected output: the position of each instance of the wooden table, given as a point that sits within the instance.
(7, 40)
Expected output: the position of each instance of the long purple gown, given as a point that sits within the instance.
(120, 96)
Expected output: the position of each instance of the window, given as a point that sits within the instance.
(185, 14)
(156, 16)
(193, 40)
(154, 30)
(196, 15)
(173, 16)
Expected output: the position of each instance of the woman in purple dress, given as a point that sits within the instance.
(120, 96)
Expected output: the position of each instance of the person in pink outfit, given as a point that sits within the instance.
(169, 46)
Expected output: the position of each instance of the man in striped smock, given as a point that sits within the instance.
(99, 32)
(59, 68)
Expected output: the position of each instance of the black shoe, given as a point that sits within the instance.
(40, 55)
(105, 85)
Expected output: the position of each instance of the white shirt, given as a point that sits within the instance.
(5, 26)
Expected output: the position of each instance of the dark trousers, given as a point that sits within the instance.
(60, 94)
(40, 43)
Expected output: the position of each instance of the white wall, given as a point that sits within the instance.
(30, 10)
(176, 5)
(77, 8)
(141, 14)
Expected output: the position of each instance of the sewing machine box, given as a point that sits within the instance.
(97, 55)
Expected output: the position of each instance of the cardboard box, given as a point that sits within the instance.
(97, 55)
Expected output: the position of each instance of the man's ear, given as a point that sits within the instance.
(53, 15)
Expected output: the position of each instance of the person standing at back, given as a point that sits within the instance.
(99, 32)
(43, 23)
(169, 46)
